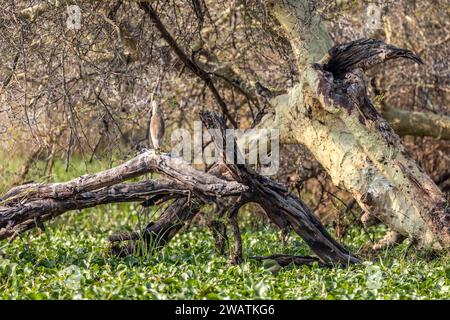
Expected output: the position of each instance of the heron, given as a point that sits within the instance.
(156, 126)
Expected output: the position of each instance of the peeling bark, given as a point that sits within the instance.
(332, 116)
(328, 111)
(228, 185)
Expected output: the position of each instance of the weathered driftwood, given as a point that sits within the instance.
(282, 207)
(328, 111)
(229, 186)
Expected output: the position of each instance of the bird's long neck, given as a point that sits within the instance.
(156, 108)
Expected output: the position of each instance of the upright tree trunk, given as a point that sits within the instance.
(359, 150)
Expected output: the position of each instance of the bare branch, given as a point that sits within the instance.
(202, 74)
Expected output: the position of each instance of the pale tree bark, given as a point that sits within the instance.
(404, 122)
(331, 116)
(357, 147)
(415, 123)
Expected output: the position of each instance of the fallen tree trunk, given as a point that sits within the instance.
(157, 233)
(419, 124)
(277, 201)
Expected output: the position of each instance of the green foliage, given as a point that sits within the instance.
(70, 260)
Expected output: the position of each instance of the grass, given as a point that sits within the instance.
(70, 260)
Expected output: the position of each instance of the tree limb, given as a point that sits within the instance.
(202, 74)
(419, 124)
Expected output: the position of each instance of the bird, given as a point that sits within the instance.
(156, 126)
(363, 54)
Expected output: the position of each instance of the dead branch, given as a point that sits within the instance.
(157, 233)
(202, 74)
(146, 162)
(25, 207)
(22, 206)
(285, 260)
(278, 202)
(419, 124)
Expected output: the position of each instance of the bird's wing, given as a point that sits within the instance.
(162, 128)
(364, 54)
(156, 129)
